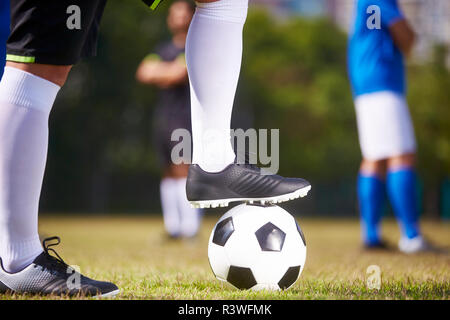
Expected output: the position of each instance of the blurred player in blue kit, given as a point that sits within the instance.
(379, 42)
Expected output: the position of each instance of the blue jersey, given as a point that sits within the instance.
(375, 63)
(4, 32)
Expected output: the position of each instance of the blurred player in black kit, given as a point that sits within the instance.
(166, 69)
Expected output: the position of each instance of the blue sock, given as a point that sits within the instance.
(401, 185)
(371, 196)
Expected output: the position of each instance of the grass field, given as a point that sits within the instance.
(133, 252)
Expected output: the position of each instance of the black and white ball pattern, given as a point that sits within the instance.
(257, 247)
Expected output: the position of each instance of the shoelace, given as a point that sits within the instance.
(56, 260)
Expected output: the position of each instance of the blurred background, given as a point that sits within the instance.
(294, 77)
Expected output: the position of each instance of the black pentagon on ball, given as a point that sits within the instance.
(223, 232)
(289, 277)
(241, 278)
(270, 237)
(301, 233)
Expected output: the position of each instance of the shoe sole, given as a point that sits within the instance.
(111, 294)
(108, 295)
(300, 193)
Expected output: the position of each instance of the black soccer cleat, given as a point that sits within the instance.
(49, 275)
(240, 182)
(377, 246)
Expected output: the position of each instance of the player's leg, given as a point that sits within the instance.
(163, 126)
(372, 114)
(401, 181)
(371, 196)
(190, 217)
(386, 132)
(180, 219)
(214, 54)
(169, 205)
(26, 101)
(402, 191)
(53, 73)
(36, 70)
(401, 175)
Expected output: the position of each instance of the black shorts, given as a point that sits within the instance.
(57, 32)
(164, 123)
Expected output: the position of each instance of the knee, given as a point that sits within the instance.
(234, 11)
(52, 73)
(402, 161)
(373, 167)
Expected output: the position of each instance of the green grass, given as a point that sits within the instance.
(133, 252)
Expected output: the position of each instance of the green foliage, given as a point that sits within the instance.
(295, 71)
(429, 98)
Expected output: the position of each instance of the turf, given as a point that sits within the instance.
(133, 252)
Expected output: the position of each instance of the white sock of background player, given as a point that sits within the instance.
(169, 204)
(190, 217)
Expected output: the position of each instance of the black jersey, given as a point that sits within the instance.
(174, 100)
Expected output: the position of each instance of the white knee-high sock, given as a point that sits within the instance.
(190, 217)
(169, 199)
(25, 104)
(214, 55)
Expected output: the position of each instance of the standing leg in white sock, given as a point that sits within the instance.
(169, 204)
(190, 217)
(214, 55)
(25, 104)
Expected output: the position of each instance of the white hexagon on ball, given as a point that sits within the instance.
(257, 247)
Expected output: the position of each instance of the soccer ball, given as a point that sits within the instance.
(257, 247)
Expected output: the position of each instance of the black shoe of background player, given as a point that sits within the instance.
(49, 275)
(377, 246)
(240, 182)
